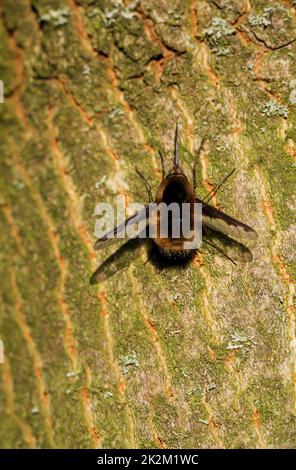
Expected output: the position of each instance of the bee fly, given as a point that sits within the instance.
(176, 188)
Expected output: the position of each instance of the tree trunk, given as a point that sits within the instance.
(195, 356)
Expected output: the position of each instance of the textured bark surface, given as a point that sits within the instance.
(202, 356)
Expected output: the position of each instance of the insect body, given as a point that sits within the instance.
(175, 188)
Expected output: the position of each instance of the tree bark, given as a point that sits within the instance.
(195, 356)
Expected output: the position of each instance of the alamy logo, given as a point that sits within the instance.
(1, 92)
(1, 352)
(173, 221)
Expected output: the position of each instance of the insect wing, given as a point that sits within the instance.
(217, 220)
(138, 222)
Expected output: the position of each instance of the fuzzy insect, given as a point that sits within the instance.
(176, 188)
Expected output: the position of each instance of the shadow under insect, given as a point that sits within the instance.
(130, 251)
(119, 260)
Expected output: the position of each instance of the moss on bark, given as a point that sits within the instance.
(202, 356)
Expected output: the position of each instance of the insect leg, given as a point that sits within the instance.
(150, 254)
(147, 185)
(162, 164)
(221, 251)
(218, 249)
(195, 164)
(176, 157)
(214, 190)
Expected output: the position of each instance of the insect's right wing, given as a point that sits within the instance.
(221, 222)
(139, 222)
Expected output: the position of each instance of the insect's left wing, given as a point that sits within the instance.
(139, 222)
(217, 220)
